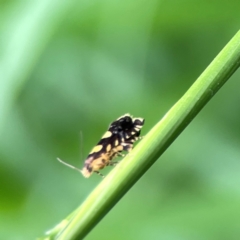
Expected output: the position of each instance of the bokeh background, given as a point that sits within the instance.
(70, 66)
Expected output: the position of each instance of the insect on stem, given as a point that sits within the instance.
(120, 136)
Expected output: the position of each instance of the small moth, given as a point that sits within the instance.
(120, 136)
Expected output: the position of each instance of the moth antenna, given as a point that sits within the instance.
(69, 165)
(81, 156)
(81, 145)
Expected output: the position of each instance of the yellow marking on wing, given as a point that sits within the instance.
(107, 134)
(108, 147)
(96, 149)
(116, 142)
(119, 148)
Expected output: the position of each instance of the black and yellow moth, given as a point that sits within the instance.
(120, 136)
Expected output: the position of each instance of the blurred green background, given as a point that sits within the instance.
(70, 66)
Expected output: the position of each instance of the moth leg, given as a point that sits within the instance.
(130, 154)
(113, 163)
(121, 154)
(99, 174)
(139, 138)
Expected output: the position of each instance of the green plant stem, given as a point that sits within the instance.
(135, 164)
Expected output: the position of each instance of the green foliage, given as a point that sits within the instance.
(71, 66)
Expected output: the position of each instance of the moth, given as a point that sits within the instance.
(120, 136)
